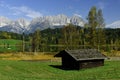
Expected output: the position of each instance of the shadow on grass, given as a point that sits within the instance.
(61, 67)
(57, 66)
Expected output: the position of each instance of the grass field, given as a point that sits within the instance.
(9, 45)
(40, 70)
(9, 41)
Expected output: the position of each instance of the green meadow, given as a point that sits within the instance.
(44, 70)
(10, 45)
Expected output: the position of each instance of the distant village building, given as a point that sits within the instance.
(79, 59)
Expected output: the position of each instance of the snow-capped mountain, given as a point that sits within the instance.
(4, 21)
(16, 26)
(77, 20)
(20, 25)
(55, 21)
(115, 24)
(23, 23)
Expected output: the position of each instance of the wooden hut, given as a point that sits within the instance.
(78, 59)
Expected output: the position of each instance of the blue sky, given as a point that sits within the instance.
(29, 9)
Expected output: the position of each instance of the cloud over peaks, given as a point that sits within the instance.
(20, 10)
(26, 11)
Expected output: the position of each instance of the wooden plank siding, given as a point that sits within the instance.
(91, 63)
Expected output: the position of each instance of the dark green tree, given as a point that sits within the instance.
(92, 22)
(96, 27)
(100, 29)
(36, 41)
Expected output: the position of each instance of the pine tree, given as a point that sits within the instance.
(96, 28)
(100, 29)
(86, 34)
(92, 22)
(36, 41)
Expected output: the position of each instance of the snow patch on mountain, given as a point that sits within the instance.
(4, 21)
(115, 24)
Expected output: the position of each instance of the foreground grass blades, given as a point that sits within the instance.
(25, 70)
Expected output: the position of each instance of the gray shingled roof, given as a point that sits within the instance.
(85, 54)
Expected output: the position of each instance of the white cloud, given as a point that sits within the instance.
(20, 11)
(26, 11)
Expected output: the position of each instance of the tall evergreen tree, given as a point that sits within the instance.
(36, 41)
(100, 29)
(92, 22)
(23, 42)
(86, 34)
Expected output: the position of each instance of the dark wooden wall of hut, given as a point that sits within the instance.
(91, 63)
(69, 62)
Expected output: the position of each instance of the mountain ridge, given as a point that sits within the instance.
(115, 24)
(22, 25)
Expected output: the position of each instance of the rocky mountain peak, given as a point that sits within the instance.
(39, 23)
